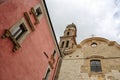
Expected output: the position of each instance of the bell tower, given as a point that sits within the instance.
(67, 42)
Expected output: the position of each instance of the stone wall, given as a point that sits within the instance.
(76, 66)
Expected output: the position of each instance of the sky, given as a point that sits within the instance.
(100, 18)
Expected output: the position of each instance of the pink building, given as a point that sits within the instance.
(28, 47)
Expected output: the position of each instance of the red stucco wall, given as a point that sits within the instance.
(29, 62)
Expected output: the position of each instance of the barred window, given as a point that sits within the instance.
(19, 31)
(95, 66)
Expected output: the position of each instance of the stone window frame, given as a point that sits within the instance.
(93, 44)
(89, 68)
(33, 12)
(47, 74)
(8, 34)
(27, 17)
(98, 64)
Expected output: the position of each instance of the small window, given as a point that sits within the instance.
(19, 31)
(95, 66)
(38, 11)
(67, 43)
(94, 44)
(62, 44)
(47, 74)
(54, 52)
(68, 33)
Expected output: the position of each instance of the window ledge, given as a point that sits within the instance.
(15, 35)
(96, 73)
(7, 34)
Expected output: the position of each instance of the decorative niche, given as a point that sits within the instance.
(17, 33)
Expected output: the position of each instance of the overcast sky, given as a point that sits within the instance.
(98, 17)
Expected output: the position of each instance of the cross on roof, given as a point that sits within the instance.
(92, 35)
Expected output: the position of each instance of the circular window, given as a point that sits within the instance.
(94, 44)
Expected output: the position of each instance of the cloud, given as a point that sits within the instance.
(98, 17)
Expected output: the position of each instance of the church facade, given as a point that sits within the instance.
(94, 58)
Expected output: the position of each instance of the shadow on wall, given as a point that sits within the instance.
(1, 1)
